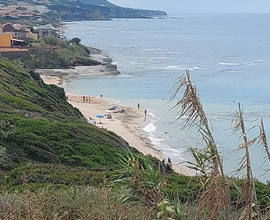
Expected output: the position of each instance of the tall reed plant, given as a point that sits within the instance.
(214, 196)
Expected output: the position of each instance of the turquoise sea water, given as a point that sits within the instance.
(228, 56)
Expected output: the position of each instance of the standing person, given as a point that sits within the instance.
(145, 112)
(138, 106)
(169, 162)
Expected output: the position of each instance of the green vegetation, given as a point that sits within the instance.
(38, 125)
(55, 165)
(55, 53)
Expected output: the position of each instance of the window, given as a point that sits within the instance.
(17, 34)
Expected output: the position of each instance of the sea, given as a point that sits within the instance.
(228, 57)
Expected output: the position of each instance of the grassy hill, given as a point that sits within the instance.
(55, 165)
(38, 125)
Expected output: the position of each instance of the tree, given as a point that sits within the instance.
(76, 40)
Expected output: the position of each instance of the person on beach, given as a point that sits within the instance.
(83, 98)
(138, 106)
(169, 162)
(86, 98)
(145, 112)
(89, 99)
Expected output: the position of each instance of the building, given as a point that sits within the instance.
(7, 40)
(45, 31)
(19, 31)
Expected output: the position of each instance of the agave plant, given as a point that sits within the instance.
(140, 180)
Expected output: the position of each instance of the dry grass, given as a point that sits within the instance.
(248, 191)
(76, 203)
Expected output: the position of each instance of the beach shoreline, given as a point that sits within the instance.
(128, 124)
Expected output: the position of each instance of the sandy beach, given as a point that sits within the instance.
(127, 124)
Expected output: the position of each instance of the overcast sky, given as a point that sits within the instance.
(199, 6)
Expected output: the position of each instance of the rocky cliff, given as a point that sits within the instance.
(65, 10)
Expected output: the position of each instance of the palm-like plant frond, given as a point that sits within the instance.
(248, 195)
(263, 140)
(214, 199)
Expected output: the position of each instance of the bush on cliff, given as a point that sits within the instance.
(55, 53)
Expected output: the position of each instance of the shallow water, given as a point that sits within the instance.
(227, 55)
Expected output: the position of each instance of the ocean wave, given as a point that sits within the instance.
(156, 141)
(195, 68)
(249, 63)
(172, 52)
(150, 128)
(151, 49)
(161, 57)
(153, 115)
(174, 68)
(228, 64)
(183, 68)
(260, 61)
(178, 17)
(122, 75)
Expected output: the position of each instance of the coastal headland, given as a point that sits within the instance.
(105, 68)
(125, 121)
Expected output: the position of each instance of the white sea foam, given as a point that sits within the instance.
(124, 75)
(183, 68)
(155, 119)
(161, 57)
(156, 141)
(151, 49)
(195, 68)
(150, 128)
(174, 68)
(228, 64)
(260, 60)
(172, 52)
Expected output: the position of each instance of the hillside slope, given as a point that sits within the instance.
(47, 128)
